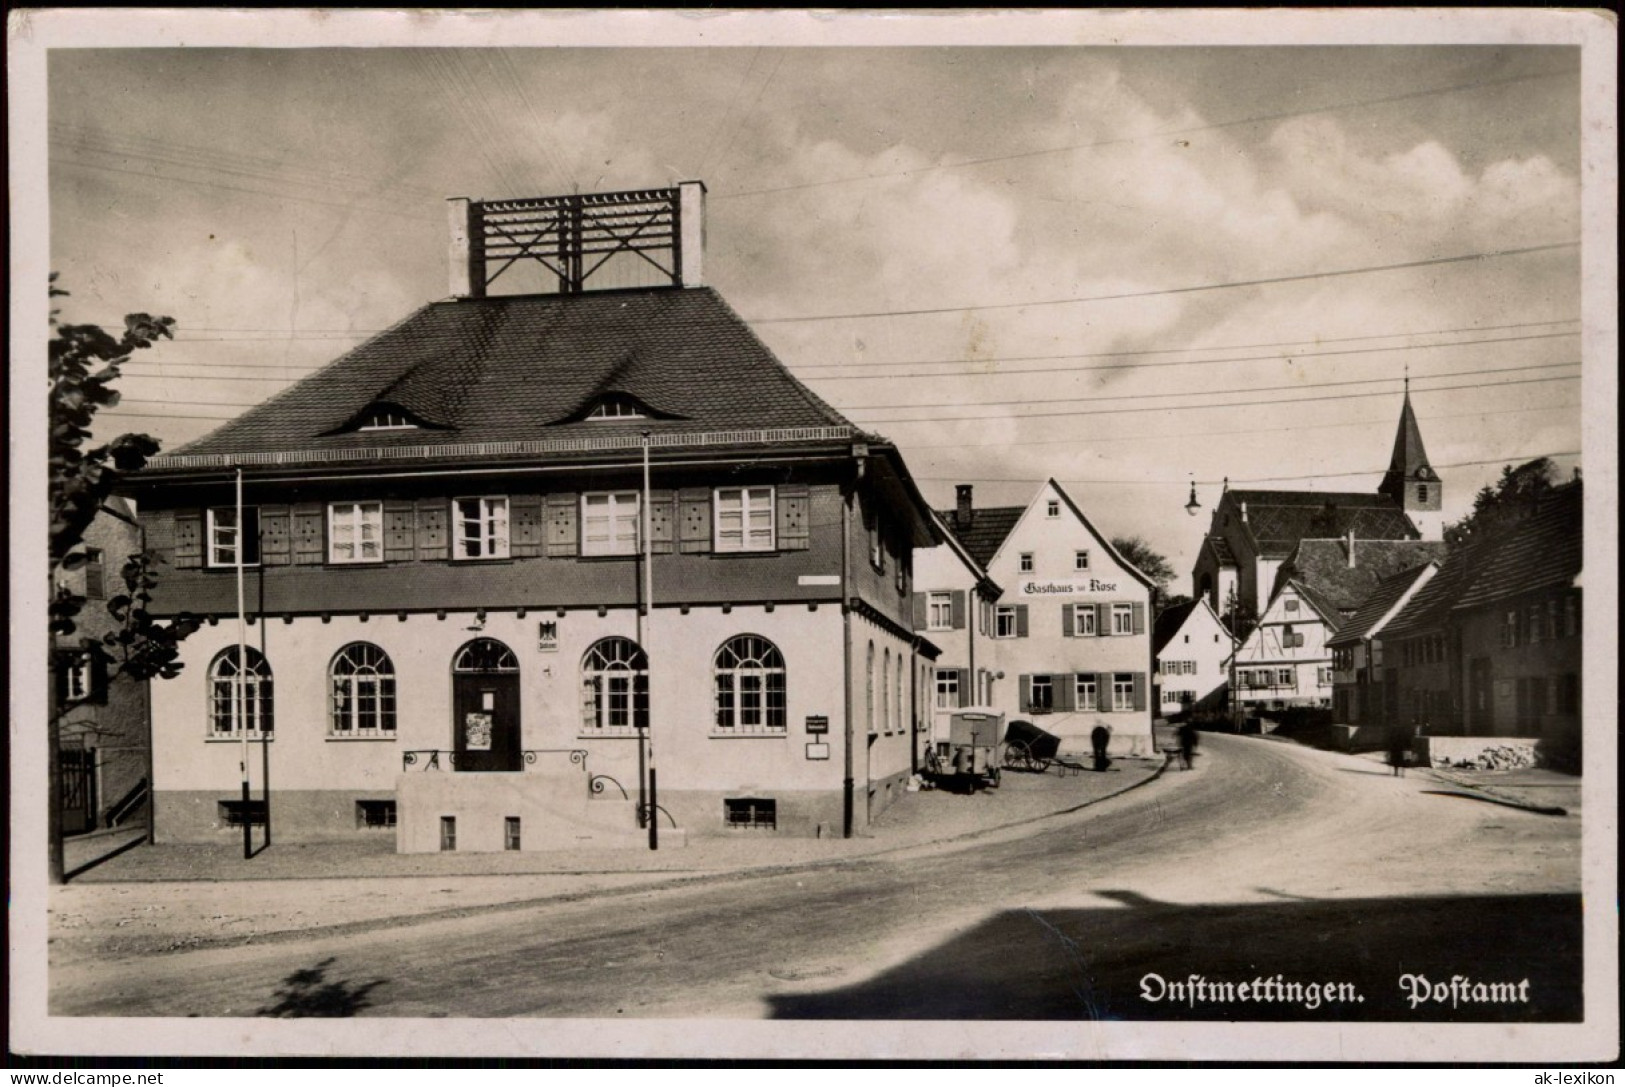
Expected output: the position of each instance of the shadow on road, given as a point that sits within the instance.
(1122, 963)
(308, 993)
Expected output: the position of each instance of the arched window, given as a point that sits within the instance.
(885, 692)
(230, 713)
(362, 680)
(749, 673)
(614, 687)
(869, 690)
(485, 655)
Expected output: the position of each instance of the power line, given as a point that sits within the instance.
(1262, 119)
(1162, 437)
(1208, 407)
(1428, 263)
(1208, 392)
(1186, 350)
(1523, 457)
(151, 176)
(1291, 357)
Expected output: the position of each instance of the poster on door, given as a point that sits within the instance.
(477, 731)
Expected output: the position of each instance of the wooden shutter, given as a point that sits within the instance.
(958, 608)
(307, 533)
(525, 526)
(1066, 691)
(662, 522)
(921, 614)
(188, 539)
(1139, 688)
(966, 695)
(1105, 696)
(1021, 620)
(276, 535)
(1139, 617)
(432, 539)
(400, 530)
(1103, 620)
(159, 529)
(563, 539)
(1068, 626)
(795, 517)
(694, 520)
(1026, 694)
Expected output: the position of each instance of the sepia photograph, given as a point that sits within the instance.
(637, 535)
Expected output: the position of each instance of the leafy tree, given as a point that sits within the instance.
(1149, 562)
(84, 364)
(1511, 497)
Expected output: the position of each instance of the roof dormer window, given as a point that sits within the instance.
(617, 407)
(384, 417)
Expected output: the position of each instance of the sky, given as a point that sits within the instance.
(1016, 263)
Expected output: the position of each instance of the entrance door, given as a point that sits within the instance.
(485, 708)
(1390, 697)
(78, 769)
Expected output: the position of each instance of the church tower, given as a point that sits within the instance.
(1410, 480)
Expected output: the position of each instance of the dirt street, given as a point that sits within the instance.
(1267, 861)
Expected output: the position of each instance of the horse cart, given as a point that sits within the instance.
(970, 756)
(1028, 747)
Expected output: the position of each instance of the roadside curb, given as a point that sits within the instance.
(1485, 793)
(657, 880)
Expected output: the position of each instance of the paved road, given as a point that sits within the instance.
(1268, 861)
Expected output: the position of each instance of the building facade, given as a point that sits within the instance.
(103, 723)
(527, 569)
(1192, 649)
(1365, 691)
(1069, 639)
(953, 600)
(1285, 661)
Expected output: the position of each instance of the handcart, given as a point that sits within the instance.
(1028, 747)
(970, 756)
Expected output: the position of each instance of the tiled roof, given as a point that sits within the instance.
(1328, 610)
(1169, 622)
(1543, 551)
(987, 529)
(520, 368)
(1323, 565)
(1375, 606)
(1279, 519)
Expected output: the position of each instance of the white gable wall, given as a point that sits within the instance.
(1043, 646)
(1271, 667)
(1195, 660)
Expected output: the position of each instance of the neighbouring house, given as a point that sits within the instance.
(524, 566)
(1253, 533)
(1490, 647)
(103, 723)
(953, 600)
(1284, 662)
(1365, 693)
(1069, 640)
(1192, 650)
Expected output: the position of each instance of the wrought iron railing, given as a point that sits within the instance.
(424, 759)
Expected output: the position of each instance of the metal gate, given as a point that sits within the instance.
(78, 767)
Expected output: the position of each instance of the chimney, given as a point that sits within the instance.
(691, 235)
(1351, 547)
(962, 511)
(1576, 473)
(466, 252)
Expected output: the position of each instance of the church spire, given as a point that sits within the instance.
(1410, 480)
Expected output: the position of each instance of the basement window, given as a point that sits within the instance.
(448, 834)
(510, 833)
(751, 813)
(233, 811)
(370, 814)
